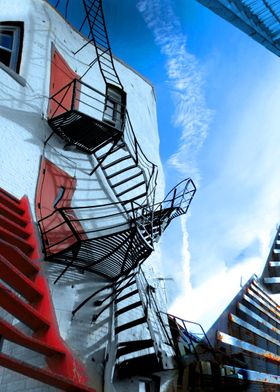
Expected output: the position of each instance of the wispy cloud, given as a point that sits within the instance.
(239, 201)
(185, 80)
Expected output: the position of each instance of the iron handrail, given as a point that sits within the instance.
(150, 224)
(193, 336)
(96, 101)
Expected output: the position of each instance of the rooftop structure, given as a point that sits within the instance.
(259, 19)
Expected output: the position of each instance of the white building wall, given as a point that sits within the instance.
(23, 130)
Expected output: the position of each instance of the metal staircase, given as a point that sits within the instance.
(190, 341)
(247, 333)
(271, 275)
(136, 311)
(98, 35)
(28, 326)
(130, 174)
(107, 241)
(98, 123)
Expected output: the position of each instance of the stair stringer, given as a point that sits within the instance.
(63, 370)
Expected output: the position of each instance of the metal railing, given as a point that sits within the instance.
(95, 221)
(192, 335)
(91, 102)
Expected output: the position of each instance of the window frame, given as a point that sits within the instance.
(17, 29)
(115, 106)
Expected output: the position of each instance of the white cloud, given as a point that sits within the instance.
(239, 200)
(185, 81)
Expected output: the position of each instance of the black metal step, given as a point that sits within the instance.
(127, 295)
(121, 171)
(124, 158)
(127, 179)
(131, 188)
(128, 308)
(132, 346)
(115, 149)
(130, 324)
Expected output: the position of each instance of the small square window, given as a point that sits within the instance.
(11, 37)
(114, 111)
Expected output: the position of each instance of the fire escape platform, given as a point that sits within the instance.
(83, 131)
(108, 256)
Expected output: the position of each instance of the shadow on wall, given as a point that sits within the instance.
(30, 121)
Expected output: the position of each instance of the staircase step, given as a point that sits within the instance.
(116, 148)
(127, 179)
(273, 280)
(13, 227)
(128, 308)
(9, 214)
(11, 204)
(42, 375)
(113, 163)
(16, 240)
(7, 194)
(131, 188)
(19, 282)
(11, 333)
(130, 294)
(21, 310)
(142, 195)
(130, 324)
(132, 346)
(117, 173)
(19, 259)
(274, 264)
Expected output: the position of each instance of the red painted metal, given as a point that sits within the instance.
(51, 180)
(23, 273)
(24, 312)
(15, 240)
(18, 281)
(61, 75)
(12, 334)
(19, 259)
(43, 375)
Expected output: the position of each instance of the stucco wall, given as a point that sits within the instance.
(23, 130)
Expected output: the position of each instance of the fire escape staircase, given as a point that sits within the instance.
(136, 314)
(25, 298)
(108, 244)
(128, 171)
(115, 249)
(98, 35)
(86, 124)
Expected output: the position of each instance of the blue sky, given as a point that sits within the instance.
(219, 122)
(217, 95)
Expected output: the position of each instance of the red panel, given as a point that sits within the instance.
(51, 179)
(19, 259)
(24, 312)
(64, 370)
(16, 279)
(61, 75)
(13, 334)
(43, 375)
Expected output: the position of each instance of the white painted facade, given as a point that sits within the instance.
(24, 129)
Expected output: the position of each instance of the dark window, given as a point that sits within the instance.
(11, 37)
(115, 106)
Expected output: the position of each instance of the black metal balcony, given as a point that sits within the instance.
(85, 117)
(109, 239)
(100, 239)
